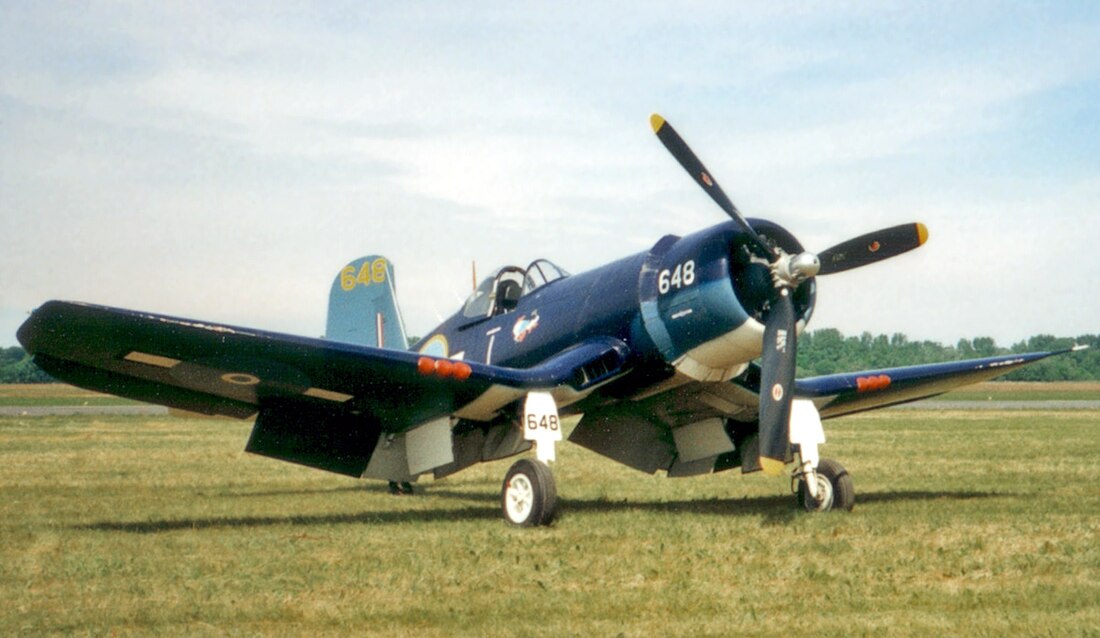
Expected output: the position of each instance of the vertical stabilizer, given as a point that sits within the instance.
(362, 305)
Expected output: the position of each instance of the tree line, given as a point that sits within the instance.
(16, 366)
(825, 351)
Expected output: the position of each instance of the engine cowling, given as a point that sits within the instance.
(704, 296)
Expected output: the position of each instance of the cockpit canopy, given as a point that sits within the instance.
(500, 292)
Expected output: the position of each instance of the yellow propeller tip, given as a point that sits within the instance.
(772, 467)
(922, 234)
(656, 121)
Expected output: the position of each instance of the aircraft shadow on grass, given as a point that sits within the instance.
(286, 492)
(776, 511)
(372, 487)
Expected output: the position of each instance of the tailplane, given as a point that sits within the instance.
(362, 305)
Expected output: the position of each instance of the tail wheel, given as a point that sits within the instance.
(529, 497)
(835, 489)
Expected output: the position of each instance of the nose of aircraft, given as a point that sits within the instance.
(788, 271)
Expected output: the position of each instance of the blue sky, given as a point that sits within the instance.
(224, 162)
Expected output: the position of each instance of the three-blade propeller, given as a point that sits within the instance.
(780, 339)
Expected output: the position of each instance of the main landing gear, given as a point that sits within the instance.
(832, 488)
(529, 497)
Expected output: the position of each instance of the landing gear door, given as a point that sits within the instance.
(806, 430)
(541, 424)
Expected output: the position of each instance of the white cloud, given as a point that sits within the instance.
(224, 161)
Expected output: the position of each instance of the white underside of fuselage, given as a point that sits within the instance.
(725, 357)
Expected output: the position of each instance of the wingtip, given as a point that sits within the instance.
(656, 121)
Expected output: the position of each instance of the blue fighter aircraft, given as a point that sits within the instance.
(679, 359)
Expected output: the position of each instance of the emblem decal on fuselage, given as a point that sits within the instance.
(525, 326)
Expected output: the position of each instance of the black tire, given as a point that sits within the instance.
(842, 492)
(528, 497)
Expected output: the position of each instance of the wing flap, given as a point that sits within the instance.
(318, 436)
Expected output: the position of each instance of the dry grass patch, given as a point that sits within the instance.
(1027, 391)
(36, 394)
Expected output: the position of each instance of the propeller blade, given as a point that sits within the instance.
(776, 384)
(683, 154)
(872, 247)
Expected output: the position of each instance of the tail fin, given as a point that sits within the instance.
(362, 305)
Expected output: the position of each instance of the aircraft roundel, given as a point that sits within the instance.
(435, 347)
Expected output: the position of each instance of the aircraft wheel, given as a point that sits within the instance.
(834, 489)
(529, 497)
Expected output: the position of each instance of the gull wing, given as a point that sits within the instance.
(318, 402)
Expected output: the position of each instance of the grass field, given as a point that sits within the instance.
(966, 523)
(1027, 391)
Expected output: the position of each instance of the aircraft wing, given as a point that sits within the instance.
(839, 394)
(333, 396)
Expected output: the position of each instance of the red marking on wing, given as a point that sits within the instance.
(874, 246)
(445, 368)
(707, 180)
(870, 384)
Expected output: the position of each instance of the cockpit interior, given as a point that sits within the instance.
(501, 291)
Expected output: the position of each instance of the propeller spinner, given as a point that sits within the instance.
(788, 271)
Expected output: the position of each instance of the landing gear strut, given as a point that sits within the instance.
(834, 489)
(529, 497)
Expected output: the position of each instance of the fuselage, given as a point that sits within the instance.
(690, 306)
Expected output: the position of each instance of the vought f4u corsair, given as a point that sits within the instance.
(678, 359)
